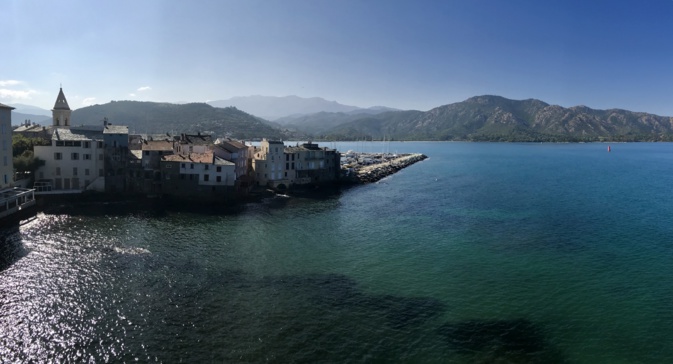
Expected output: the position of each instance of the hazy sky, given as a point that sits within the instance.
(403, 54)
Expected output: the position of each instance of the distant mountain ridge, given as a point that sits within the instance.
(479, 118)
(155, 117)
(495, 118)
(273, 108)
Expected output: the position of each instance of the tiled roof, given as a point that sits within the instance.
(231, 145)
(116, 129)
(76, 134)
(157, 145)
(23, 128)
(203, 158)
(200, 139)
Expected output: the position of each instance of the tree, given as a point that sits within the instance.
(27, 162)
(20, 144)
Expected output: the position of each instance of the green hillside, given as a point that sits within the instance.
(153, 117)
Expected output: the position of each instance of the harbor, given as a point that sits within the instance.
(360, 168)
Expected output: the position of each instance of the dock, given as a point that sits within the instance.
(359, 168)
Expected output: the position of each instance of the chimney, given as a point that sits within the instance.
(105, 122)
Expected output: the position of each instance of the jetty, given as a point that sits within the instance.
(360, 168)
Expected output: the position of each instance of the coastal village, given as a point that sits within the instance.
(108, 160)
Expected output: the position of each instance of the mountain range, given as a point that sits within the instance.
(157, 117)
(480, 118)
(273, 108)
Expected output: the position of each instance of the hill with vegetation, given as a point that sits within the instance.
(154, 117)
(495, 118)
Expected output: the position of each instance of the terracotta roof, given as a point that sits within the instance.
(206, 158)
(157, 145)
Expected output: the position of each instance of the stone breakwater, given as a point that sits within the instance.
(368, 173)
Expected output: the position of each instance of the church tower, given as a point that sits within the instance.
(61, 111)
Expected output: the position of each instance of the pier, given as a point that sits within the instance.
(359, 168)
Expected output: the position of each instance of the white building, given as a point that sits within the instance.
(75, 159)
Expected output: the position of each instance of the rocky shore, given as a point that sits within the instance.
(360, 173)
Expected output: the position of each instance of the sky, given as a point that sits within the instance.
(401, 54)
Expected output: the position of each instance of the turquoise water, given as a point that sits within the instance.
(526, 253)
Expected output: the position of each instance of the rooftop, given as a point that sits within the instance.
(198, 139)
(157, 145)
(204, 158)
(116, 129)
(3, 106)
(76, 134)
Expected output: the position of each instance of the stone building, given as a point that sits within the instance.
(201, 176)
(268, 163)
(281, 167)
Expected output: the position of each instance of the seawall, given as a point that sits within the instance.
(368, 173)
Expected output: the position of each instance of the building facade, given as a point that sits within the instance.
(278, 166)
(201, 176)
(268, 162)
(74, 160)
(6, 161)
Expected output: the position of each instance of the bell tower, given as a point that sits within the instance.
(61, 111)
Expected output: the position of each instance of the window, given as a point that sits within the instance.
(191, 165)
(74, 171)
(58, 156)
(86, 171)
(182, 176)
(99, 144)
(100, 172)
(287, 165)
(219, 169)
(147, 152)
(206, 177)
(169, 165)
(86, 157)
(59, 143)
(87, 144)
(182, 165)
(218, 178)
(77, 144)
(206, 167)
(58, 171)
(74, 156)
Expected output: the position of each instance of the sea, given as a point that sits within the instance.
(482, 253)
